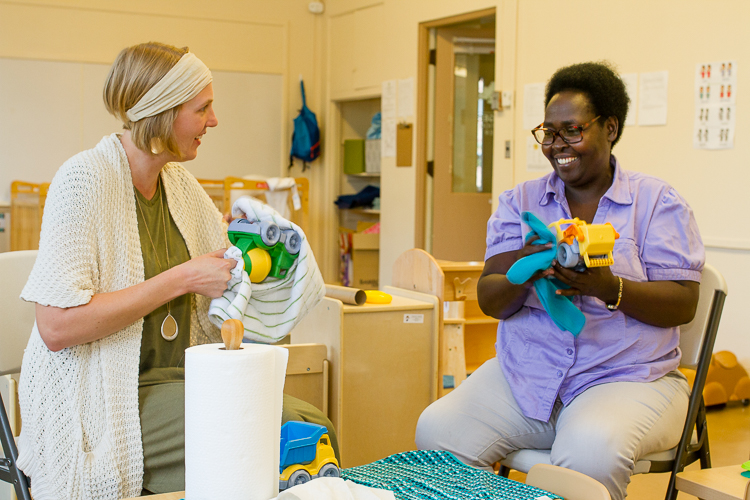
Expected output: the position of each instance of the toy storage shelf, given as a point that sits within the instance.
(383, 370)
(352, 119)
(355, 117)
(467, 336)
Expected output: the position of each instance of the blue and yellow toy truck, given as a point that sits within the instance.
(306, 453)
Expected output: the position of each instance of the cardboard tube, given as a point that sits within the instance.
(346, 294)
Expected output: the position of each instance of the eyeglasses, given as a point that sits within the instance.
(571, 134)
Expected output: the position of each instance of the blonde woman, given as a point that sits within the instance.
(131, 253)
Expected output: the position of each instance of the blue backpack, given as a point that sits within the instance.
(306, 136)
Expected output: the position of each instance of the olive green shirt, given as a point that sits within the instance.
(162, 360)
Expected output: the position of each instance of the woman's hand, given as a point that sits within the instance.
(228, 217)
(497, 296)
(659, 303)
(208, 274)
(529, 248)
(596, 282)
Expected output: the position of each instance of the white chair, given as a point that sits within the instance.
(569, 484)
(17, 321)
(697, 344)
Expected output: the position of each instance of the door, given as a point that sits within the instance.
(463, 142)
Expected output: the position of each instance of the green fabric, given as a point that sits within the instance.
(162, 360)
(162, 410)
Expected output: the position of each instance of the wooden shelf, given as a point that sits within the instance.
(481, 321)
(467, 336)
(370, 211)
(365, 175)
(454, 321)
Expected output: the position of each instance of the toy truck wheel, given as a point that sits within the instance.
(329, 470)
(269, 233)
(566, 256)
(298, 477)
(293, 242)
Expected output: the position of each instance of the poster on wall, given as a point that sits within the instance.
(533, 105)
(535, 159)
(715, 110)
(388, 119)
(652, 98)
(631, 86)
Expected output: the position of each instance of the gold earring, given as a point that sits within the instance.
(156, 146)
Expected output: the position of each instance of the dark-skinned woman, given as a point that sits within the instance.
(611, 394)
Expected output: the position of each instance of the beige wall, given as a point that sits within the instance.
(637, 36)
(347, 52)
(643, 36)
(279, 37)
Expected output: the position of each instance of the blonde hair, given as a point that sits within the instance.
(135, 70)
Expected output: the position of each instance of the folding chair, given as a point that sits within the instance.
(17, 321)
(697, 344)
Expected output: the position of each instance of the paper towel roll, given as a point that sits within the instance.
(233, 405)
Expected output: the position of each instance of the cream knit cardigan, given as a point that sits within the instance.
(81, 436)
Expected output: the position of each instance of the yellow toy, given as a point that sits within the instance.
(593, 242)
(377, 297)
(726, 380)
(306, 453)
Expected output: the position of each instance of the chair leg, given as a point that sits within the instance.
(701, 429)
(701, 425)
(9, 472)
(503, 471)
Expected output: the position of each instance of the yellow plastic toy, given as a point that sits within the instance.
(377, 297)
(593, 242)
(261, 264)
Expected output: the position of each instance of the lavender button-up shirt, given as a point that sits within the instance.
(659, 240)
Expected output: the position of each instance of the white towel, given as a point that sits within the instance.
(269, 310)
(278, 194)
(334, 488)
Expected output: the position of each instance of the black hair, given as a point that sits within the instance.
(600, 83)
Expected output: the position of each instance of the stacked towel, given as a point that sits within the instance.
(269, 310)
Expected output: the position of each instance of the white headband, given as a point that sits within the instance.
(184, 81)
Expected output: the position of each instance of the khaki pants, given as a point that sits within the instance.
(601, 433)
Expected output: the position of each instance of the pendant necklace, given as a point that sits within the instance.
(169, 329)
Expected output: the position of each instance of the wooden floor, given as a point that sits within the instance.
(729, 439)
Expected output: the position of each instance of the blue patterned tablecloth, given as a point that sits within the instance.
(438, 475)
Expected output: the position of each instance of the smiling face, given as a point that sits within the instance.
(193, 119)
(585, 163)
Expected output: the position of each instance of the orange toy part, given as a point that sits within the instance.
(726, 380)
(571, 233)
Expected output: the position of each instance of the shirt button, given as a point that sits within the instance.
(559, 374)
(569, 351)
